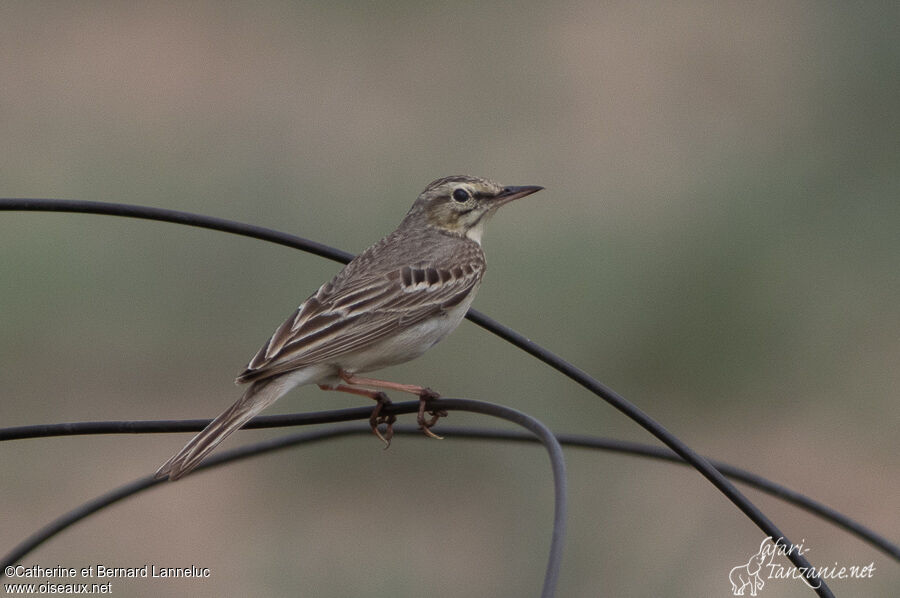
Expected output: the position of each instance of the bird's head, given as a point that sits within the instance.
(460, 205)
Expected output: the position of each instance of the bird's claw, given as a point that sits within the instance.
(425, 424)
(376, 419)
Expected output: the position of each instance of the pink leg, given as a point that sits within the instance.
(425, 394)
(376, 418)
(376, 383)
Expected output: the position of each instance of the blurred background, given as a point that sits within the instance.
(718, 242)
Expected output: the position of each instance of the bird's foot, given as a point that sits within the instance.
(376, 419)
(425, 424)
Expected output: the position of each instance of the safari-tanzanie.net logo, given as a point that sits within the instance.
(752, 576)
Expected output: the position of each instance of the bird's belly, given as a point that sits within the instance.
(406, 345)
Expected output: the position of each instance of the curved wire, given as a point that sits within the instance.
(537, 429)
(548, 357)
(571, 440)
(79, 206)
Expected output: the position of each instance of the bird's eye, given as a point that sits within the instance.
(460, 195)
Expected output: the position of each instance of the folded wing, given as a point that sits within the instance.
(342, 317)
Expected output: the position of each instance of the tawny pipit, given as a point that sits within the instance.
(390, 304)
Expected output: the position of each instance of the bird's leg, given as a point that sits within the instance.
(376, 419)
(424, 393)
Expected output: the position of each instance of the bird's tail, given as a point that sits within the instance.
(257, 397)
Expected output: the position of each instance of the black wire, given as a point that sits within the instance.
(543, 434)
(572, 440)
(651, 425)
(587, 381)
(77, 206)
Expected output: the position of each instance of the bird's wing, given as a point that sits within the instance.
(343, 316)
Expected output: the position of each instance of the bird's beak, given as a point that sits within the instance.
(510, 193)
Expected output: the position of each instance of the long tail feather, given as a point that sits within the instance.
(257, 397)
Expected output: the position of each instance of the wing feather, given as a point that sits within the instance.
(341, 318)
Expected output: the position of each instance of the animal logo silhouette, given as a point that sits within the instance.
(744, 576)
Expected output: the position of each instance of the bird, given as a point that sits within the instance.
(389, 305)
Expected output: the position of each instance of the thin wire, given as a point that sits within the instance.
(543, 434)
(673, 442)
(458, 432)
(549, 358)
(77, 206)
